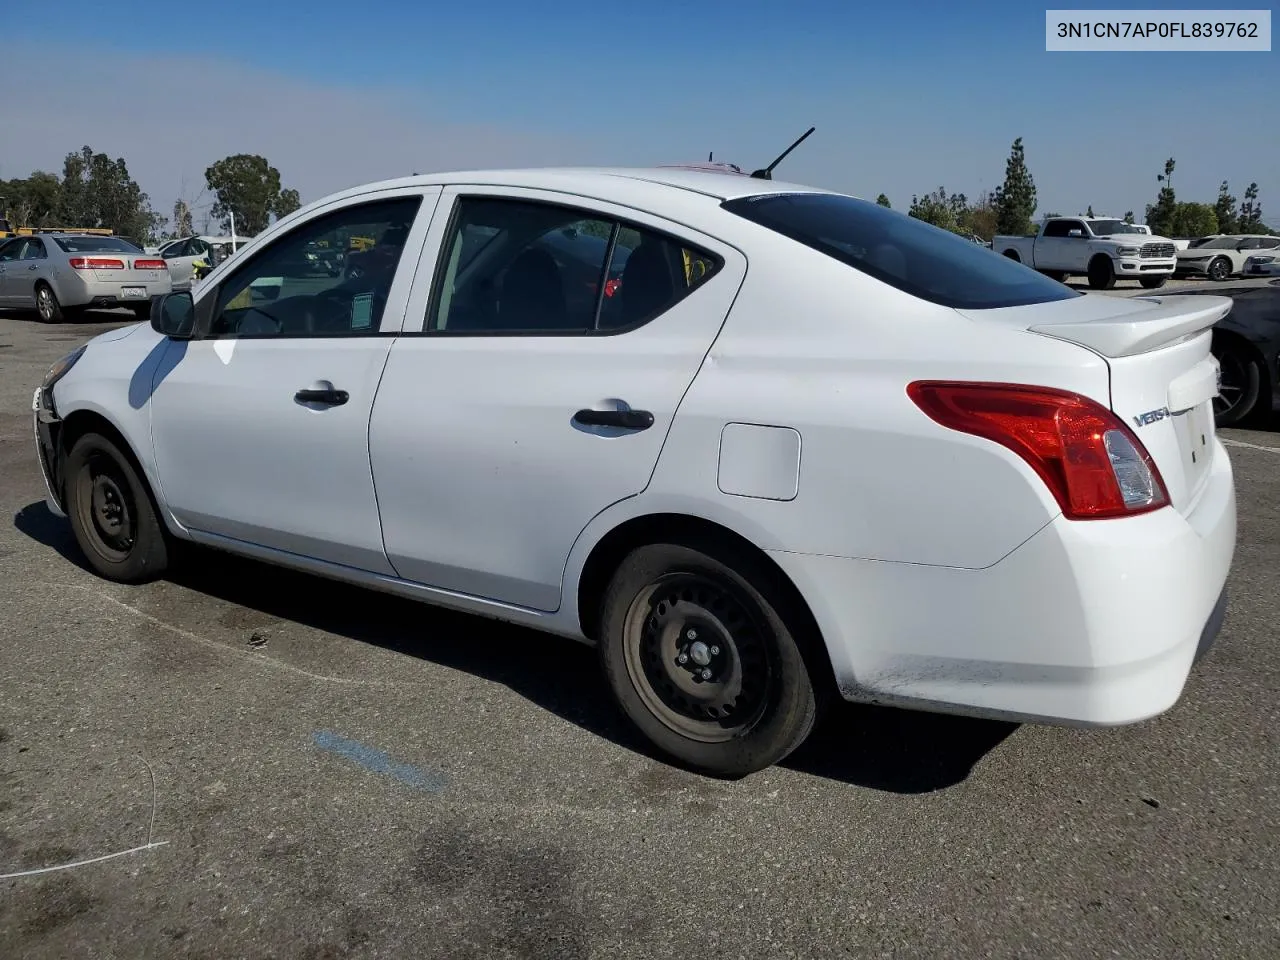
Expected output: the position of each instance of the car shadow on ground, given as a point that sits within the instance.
(880, 748)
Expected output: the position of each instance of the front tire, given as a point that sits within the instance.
(703, 662)
(1153, 283)
(1102, 274)
(112, 514)
(1219, 269)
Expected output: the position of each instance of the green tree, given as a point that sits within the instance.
(288, 202)
(942, 210)
(1160, 214)
(1015, 199)
(1128, 216)
(183, 226)
(1249, 219)
(247, 186)
(982, 218)
(1225, 209)
(1194, 220)
(1089, 212)
(883, 201)
(33, 201)
(97, 191)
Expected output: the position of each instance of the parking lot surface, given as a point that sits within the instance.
(246, 762)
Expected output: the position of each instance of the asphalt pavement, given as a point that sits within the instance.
(252, 763)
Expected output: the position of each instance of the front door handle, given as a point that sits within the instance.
(626, 419)
(33, 267)
(327, 397)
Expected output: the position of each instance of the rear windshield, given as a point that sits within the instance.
(916, 257)
(94, 244)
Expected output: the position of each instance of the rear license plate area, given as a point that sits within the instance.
(133, 293)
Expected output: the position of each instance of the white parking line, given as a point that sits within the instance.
(1252, 446)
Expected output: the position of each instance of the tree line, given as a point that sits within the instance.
(1009, 210)
(97, 191)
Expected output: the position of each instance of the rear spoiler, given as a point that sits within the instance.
(1169, 319)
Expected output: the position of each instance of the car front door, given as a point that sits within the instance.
(534, 384)
(260, 424)
(32, 265)
(10, 250)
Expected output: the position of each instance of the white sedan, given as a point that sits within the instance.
(763, 445)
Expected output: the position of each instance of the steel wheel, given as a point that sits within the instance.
(107, 508)
(698, 657)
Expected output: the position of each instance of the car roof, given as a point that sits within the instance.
(603, 182)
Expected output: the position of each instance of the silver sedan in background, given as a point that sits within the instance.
(59, 273)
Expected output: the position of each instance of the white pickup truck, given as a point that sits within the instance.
(1104, 250)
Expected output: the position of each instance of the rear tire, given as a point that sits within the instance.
(1102, 274)
(1059, 275)
(47, 306)
(742, 698)
(1153, 283)
(1242, 379)
(112, 514)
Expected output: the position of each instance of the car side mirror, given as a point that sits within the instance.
(1075, 233)
(174, 315)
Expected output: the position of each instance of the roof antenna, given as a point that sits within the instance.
(767, 172)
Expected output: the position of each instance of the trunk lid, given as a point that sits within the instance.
(1163, 376)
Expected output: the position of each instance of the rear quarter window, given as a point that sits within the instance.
(915, 257)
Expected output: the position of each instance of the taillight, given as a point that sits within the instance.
(96, 263)
(1090, 460)
(149, 265)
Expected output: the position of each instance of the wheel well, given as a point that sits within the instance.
(79, 422)
(1013, 255)
(1100, 256)
(608, 554)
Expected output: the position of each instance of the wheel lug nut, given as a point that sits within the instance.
(706, 673)
(683, 658)
(715, 651)
(691, 635)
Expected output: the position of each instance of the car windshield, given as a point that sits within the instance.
(94, 244)
(1107, 228)
(909, 254)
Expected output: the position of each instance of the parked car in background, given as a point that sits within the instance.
(1222, 256)
(1262, 265)
(1246, 343)
(1104, 250)
(182, 254)
(810, 448)
(58, 274)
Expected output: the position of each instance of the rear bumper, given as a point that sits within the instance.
(1089, 623)
(81, 291)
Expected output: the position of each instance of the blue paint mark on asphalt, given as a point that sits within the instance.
(376, 761)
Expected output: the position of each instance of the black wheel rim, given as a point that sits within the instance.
(107, 510)
(1232, 384)
(1218, 269)
(698, 654)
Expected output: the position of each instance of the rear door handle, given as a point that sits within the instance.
(626, 419)
(330, 398)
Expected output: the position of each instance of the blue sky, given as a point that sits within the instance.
(906, 96)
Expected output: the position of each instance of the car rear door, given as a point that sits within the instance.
(513, 409)
(260, 426)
